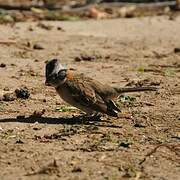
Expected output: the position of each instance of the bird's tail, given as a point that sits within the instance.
(135, 89)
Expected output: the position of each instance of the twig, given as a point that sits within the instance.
(166, 66)
(147, 103)
(7, 42)
(169, 146)
(149, 154)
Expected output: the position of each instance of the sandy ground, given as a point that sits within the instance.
(142, 144)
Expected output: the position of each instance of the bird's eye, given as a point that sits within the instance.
(62, 74)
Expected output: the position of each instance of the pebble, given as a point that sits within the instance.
(38, 46)
(9, 97)
(2, 65)
(22, 93)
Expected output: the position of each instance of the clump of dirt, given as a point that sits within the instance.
(22, 93)
(38, 113)
(2, 65)
(9, 97)
(38, 46)
(87, 57)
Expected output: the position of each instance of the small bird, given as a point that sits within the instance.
(85, 93)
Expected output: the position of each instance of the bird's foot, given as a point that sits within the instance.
(89, 117)
(94, 117)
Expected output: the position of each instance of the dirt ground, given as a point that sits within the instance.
(143, 143)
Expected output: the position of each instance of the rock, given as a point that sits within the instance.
(19, 141)
(38, 46)
(22, 93)
(30, 28)
(60, 29)
(176, 50)
(77, 59)
(9, 97)
(2, 65)
(86, 57)
(38, 114)
(126, 144)
(76, 169)
(6, 89)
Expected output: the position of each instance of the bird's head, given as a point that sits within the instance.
(55, 73)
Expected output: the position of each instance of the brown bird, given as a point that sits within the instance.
(85, 93)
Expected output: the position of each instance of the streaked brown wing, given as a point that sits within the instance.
(85, 95)
(105, 91)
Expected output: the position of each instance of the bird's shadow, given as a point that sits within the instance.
(75, 120)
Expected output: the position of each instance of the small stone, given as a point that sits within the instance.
(19, 141)
(77, 59)
(30, 28)
(76, 169)
(2, 65)
(85, 57)
(176, 50)
(125, 144)
(58, 103)
(22, 93)
(36, 128)
(28, 44)
(6, 89)
(32, 72)
(9, 97)
(38, 46)
(38, 113)
(139, 125)
(60, 29)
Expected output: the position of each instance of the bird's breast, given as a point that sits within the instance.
(65, 95)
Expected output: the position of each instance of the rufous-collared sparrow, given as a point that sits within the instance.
(85, 93)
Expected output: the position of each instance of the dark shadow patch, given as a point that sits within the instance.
(84, 120)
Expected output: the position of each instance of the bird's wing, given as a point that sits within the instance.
(105, 91)
(84, 94)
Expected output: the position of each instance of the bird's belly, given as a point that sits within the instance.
(67, 97)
